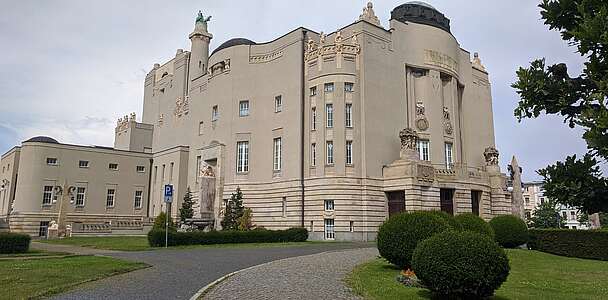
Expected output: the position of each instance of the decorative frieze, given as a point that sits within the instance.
(315, 50)
(442, 60)
(264, 58)
(123, 123)
(182, 107)
(219, 68)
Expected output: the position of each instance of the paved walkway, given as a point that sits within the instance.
(317, 276)
(70, 249)
(180, 273)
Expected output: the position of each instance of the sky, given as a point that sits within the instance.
(70, 69)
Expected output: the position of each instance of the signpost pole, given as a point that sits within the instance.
(168, 200)
(166, 224)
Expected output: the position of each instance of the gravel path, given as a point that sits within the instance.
(180, 273)
(317, 276)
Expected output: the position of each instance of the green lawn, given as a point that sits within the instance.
(534, 275)
(139, 243)
(33, 253)
(34, 278)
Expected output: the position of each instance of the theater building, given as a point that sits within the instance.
(333, 132)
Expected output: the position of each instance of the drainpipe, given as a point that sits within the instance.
(149, 188)
(303, 114)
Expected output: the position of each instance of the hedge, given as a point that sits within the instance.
(592, 244)
(14, 243)
(509, 231)
(156, 238)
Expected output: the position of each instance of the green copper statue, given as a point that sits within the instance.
(201, 18)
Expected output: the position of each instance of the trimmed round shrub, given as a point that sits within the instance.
(474, 223)
(509, 231)
(447, 217)
(14, 243)
(399, 235)
(460, 265)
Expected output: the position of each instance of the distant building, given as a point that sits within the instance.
(534, 196)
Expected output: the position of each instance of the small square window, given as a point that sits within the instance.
(113, 166)
(141, 169)
(329, 87)
(244, 108)
(51, 161)
(278, 103)
(348, 87)
(313, 91)
(329, 205)
(83, 164)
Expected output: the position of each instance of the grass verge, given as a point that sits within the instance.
(32, 253)
(534, 275)
(36, 278)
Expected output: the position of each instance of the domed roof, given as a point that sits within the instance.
(43, 139)
(234, 42)
(421, 13)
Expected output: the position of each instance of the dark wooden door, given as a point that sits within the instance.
(396, 202)
(447, 200)
(475, 200)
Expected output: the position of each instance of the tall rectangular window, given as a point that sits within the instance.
(330, 152)
(329, 112)
(423, 148)
(47, 195)
(313, 154)
(198, 167)
(200, 128)
(138, 198)
(155, 172)
(110, 197)
(329, 205)
(348, 111)
(313, 91)
(348, 87)
(171, 172)
(80, 195)
(329, 87)
(244, 108)
(349, 152)
(284, 206)
(242, 163)
(329, 229)
(449, 157)
(162, 175)
(215, 113)
(475, 201)
(278, 103)
(276, 166)
(313, 119)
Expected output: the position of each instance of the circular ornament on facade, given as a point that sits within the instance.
(422, 124)
(448, 128)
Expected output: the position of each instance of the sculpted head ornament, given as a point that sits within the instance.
(409, 139)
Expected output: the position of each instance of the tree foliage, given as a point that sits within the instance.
(580, 100)
(234, 211)
(186, 211)
(246, 220)
(546, 215)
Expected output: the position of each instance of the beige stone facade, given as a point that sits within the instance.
(308, 125)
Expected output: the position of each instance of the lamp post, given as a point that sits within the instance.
(61, 215)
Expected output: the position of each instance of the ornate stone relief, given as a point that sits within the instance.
(369, 15)
(425, 173)
(447, 123)
(205, 170)
(421, 121)
(476, 63)
(436, 58)
(219, 67)
(182, 107)
(409, 139)
(264, 58)
(491, 156)
(123, 123)
(341, 46)
(161, 118)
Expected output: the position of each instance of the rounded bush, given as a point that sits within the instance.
(474, 223)
(509, 231)
(447, 217)
(467, 265)
(399, 235)
(14, 243)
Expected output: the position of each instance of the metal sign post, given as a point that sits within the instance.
(168, 201)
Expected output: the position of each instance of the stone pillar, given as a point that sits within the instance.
(517, 198)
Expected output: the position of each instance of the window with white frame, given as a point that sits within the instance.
(242, 154)
(449, 156)
(276, 165)
(113, 166)
(313, 119)
(349, 152)
(140, 169)
(313, 154)
(329, 112)
(423, 149)
(111, 193)
(47, 195)
(278, 103)
(348, 112)
(244, 108)
(83, 164)
(215, 113)
(313, 91)
(330, 152)
(329, 205)
(329, 87)
(138, 198)
(348, 87)
(80, 195)
(51, 161)
(329, 229)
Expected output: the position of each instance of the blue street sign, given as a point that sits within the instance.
(168, 193)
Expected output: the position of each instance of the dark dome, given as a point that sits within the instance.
(422, 13)
(43, 139)
(233, 42)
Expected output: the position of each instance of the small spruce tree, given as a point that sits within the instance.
(186, 211)
(234, 210)
(245, 221)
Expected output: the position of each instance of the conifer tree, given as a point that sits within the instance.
(234, 211)
(186, 211)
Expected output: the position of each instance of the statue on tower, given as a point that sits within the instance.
(201, 18)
